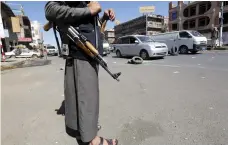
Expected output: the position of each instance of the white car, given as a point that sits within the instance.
(140, 45)
(22, 53)
(106, 47)
(51, 50)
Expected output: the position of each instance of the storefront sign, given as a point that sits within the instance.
(24, 39)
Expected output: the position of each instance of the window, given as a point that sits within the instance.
(4, 24)
(225, 3)
(225, 18)
(50, 47)
(192, 23)
(174, 15)
(125, 40)
(185, 25)
(202, 8)
(118, 41)
(204, 21)
(132, 40)
(193, 11)
(145, 39)
(184, 35)
(186, 12)
(174, 26)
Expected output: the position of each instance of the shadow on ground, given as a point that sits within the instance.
(130, 57)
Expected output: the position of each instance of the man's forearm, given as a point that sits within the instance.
(54, 11)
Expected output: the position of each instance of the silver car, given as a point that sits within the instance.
(140, 45)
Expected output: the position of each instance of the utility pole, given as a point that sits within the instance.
(146, 23)
(221, 23)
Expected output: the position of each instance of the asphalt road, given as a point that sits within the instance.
(177, 100)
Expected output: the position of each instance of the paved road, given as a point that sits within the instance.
(176, 100)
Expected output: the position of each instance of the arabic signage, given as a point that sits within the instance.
(21, 39)
(147, 9)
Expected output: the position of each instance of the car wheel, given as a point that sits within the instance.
(34, 56)
(183, 49)
(118, 53)
(144, 54)
(12, 56)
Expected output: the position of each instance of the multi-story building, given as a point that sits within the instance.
(25, 35)
(197, 15)
(8, 35)
(144, 25)
(37, 35)
(110, 35)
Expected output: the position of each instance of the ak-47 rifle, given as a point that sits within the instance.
(82, 42)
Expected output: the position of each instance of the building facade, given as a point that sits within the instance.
(8, 36)
(25, 35)
(144, 25)
(110, 35)
(197, 15)
(37, 35)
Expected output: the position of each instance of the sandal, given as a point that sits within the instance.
(109, 141)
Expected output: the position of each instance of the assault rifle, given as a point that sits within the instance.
(82, 42)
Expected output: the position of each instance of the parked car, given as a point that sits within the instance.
(184, 41)
(22, 53)
(106, 47)
(140, 45)
(51, 50)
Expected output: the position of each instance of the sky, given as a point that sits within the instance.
(124, 10)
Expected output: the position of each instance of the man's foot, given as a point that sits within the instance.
(101, 141)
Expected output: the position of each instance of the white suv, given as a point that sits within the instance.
(51, 50)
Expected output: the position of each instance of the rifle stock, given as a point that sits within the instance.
(48, 26)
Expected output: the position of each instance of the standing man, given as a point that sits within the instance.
(81, 87)
(214, 37)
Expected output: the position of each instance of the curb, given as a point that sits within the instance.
(25, 63)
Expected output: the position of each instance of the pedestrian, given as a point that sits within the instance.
(81, 86)
(214, 37)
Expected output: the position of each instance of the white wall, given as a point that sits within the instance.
(36, 32)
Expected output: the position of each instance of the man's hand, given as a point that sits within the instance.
(109, 15)
(94, 8)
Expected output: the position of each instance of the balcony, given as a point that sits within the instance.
(154, 25)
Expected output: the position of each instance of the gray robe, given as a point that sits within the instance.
(81, 97)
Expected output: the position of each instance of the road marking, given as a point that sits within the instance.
(176, 72)
(166, 65)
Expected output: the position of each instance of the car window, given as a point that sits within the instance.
(145, 39)
(125, 40)
(132, 40)
(118, 41)
(184, 35)
(50, 47)
(196, 33)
